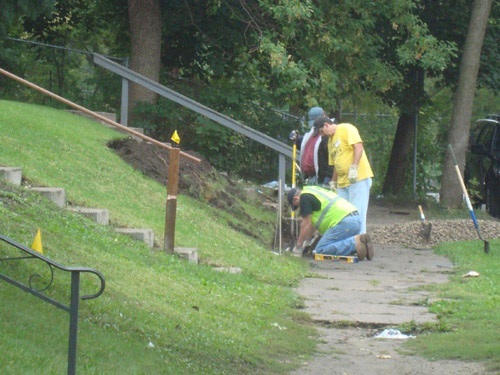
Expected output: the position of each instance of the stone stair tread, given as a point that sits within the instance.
(12, 174)
(56, 195)
(99, 215)
(140, 234)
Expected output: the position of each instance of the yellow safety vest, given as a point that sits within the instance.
(333, 208)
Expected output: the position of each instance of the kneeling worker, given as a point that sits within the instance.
(335, 218)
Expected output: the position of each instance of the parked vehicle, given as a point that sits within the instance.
(483, 163)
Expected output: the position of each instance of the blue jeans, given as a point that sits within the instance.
(359, 195)
(339, 240)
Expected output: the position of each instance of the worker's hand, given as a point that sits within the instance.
(353, 174)
(307, 242)
(333, 185)
(294, 134)
(297, 251)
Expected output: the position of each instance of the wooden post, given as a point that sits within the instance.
(172, 189)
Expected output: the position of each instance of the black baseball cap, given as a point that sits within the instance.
(290, 196)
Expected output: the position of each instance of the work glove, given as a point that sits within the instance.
(297, 251)
(294, 134)
(311, 240)
(333, 185)
(353, 174)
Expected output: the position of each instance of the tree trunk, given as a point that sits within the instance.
(395, 177)
(458, 138)
(145, 36)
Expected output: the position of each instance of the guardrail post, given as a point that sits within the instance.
(281, 175)
(124, 103)
(73, 321)
(172, 190)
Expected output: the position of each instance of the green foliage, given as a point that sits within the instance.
(13, 10)
(72, 24)
(224, 148)
(244, 58)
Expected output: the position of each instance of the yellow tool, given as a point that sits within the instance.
(294, 156)
(336, 258)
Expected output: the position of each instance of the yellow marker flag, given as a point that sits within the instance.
(176, 138)
(37, 243)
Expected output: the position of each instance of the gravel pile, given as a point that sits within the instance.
(410, 234)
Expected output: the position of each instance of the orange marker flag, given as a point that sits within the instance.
(37, 243)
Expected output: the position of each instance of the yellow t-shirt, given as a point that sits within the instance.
(341, 154)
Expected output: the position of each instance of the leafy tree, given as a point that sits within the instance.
(12, 11)
(447, 22)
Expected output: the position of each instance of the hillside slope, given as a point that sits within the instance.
(200, 321)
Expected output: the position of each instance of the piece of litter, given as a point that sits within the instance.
(393, 334)
(151, 345)
(384, 356)
(279, 327)
(471, 274)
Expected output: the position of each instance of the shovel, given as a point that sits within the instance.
(467, 200)
(426, 227)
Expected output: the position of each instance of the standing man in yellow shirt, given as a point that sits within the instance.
(352, 174)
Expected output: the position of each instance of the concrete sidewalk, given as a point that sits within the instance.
(374, 293)
(371, 296)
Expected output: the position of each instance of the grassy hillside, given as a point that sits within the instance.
(199, 321)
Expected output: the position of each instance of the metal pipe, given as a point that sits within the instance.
(73, 321)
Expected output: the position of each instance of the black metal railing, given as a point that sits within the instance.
(40, 291)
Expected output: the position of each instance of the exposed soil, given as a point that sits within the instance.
(194, 178)
(198, 180)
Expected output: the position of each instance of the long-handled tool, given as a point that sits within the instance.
(426, 227)
(294, 137)
(467, 200)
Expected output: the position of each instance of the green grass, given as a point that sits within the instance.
(470, 308)
(199, 320)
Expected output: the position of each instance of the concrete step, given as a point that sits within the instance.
(145, 235)
(228, 269)
(99, 215)
(12, 175)
(188, 253)
(56, 195)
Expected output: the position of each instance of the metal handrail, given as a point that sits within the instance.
(43, 258)
(75, 297)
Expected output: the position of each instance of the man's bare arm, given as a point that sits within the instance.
(306, 230)
(358, 151)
